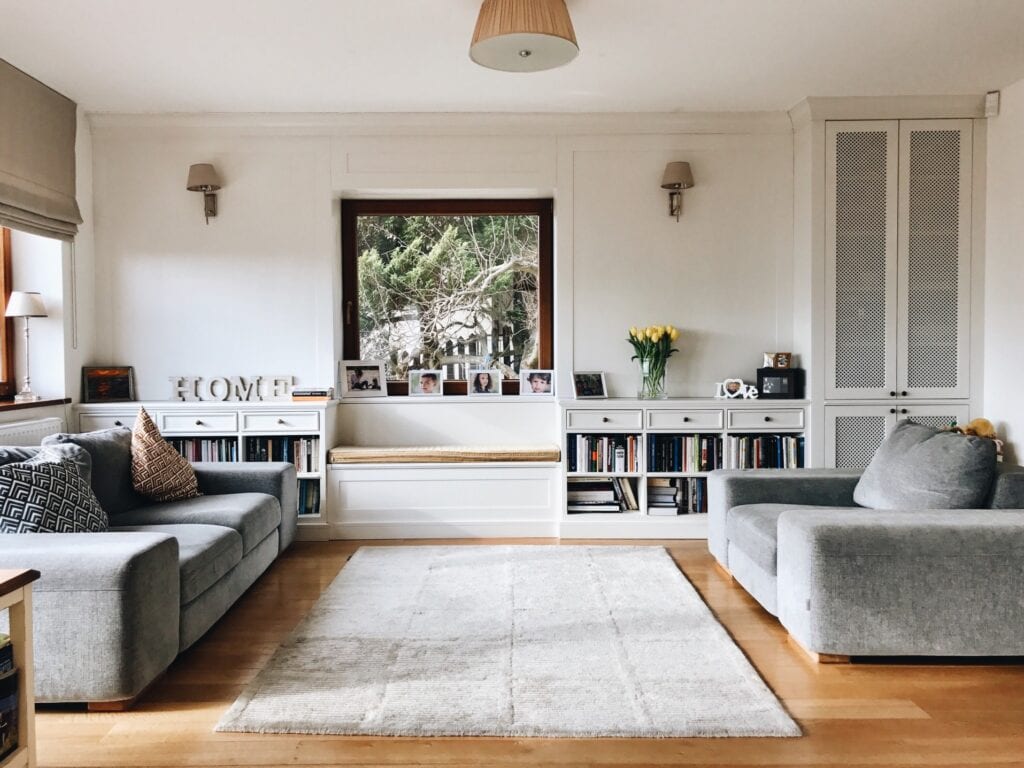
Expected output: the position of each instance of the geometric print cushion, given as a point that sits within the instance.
(46, 496)
(158, 471)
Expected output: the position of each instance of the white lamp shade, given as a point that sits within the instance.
(523, 35)
(202, 177)
(25, 304)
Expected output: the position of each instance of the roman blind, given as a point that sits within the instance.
(37, 157)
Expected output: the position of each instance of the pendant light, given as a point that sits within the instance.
(523, 35)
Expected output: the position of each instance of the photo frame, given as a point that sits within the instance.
(780, 383)
(589, 385)
(484, 382)
(735, 389)
(108, 384)
(536, 382)
(426, 382)
(363, 378)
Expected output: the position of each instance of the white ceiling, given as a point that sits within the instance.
(412, 55)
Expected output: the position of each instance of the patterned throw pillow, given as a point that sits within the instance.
(158, 471)
(47, 494)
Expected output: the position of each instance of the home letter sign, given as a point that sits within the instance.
(236, 388)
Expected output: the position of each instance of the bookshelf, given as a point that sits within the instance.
(16, 599)
(296, 432)
(638, 468)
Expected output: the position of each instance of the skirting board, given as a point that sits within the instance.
(473, 529)
(637, 527)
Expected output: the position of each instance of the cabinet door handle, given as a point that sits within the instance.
(892, 394)
(903, 393)
(903, 410)
(767, 418)
(117, 423)
(605, 419)
(892, 410)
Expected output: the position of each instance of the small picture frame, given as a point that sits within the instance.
(108, 384)
(363, 378)
(426, 383)
(536, 382)
(777, 360)
(484, 382)
(589, 385)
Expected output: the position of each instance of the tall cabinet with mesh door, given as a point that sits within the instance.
(897, 270)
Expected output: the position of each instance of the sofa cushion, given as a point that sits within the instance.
(47, 494)
(253, 515)
(920, 467)
(158, 471)
(206, 553)
(12, 453)
(111, 453)
(753, 529)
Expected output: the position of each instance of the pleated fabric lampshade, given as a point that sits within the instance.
(523, 35)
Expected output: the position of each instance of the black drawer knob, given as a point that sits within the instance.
(903, 410)
(605, 419)
(892, 410)
(767, 418)
(199, 422)
(685, 419)
(117, 423)
(892, 394)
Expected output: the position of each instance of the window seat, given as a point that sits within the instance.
(443, 454)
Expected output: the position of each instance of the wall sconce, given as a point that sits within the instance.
(678, 177)
(202, 177)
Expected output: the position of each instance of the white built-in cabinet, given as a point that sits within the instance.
(897, 271)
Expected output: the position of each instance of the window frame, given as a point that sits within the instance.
(543, 208)
(8, 375)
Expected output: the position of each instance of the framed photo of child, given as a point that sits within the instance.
(484, 383)
(426, 383)
(536, 382)
(363, 378)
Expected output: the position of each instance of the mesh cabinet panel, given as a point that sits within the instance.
(857, 438)
(933, 255)
(939, 422)
(860, 259)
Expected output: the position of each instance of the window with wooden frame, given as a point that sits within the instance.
(448, 284)
(8, 385)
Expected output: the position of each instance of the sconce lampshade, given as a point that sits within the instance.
(523, 35)
(677, 176)
(25, 304)
(202, 177)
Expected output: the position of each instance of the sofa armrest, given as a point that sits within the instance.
(105, 610)
(276, 478)
(922, 582)
(728, 488)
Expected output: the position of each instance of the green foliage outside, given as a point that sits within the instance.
(448, 292)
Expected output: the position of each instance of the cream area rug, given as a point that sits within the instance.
(510, 641)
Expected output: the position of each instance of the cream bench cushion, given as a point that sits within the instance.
(443, 454)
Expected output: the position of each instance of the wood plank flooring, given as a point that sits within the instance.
(893, 714)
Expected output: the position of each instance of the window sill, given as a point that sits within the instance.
(10, 405)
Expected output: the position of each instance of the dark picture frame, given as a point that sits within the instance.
(780, 383)
(589, 385)
(108, 384)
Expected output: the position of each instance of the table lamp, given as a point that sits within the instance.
(26, 304)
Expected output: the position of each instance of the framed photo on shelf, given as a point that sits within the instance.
(108, 384)
(536, 382)
(363, 378)
(589, 385)
(485, 382)
(426, 383)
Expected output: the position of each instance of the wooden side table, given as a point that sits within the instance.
(16, 596)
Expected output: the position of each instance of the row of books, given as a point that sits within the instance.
(704, 453)
(8, 698)
(309, 497)
(206, 448)
(669, 496)
(603, 453)
(764, 452)
(601, 494)
(319, 394)
(303, 452)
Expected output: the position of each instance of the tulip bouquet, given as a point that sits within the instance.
(653, 347)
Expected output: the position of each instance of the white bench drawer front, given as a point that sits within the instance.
(281, 421)
(685, 420)
(767, 420)
(611, 419)
(197, 422)
(91, 422)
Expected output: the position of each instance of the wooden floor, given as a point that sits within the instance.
(919, 714)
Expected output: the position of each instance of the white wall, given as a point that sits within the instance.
(1004, 270)
(256, 291)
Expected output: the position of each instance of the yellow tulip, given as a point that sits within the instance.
(673, 334)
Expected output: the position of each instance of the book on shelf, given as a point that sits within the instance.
(600, 494)
(575, 509)
(603, 453)
(309, 497)
(313, 394)
(676, 495)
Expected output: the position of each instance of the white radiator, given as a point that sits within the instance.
(29, 432)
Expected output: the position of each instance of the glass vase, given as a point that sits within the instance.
(652, 380)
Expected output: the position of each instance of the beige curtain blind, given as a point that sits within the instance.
(37, 157)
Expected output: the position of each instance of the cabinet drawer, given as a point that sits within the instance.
(685, 419)
(611, 419)
(281, 421)
(91, 422)
(198, 422)
(767, 420)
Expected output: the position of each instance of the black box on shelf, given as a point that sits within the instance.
(780, 383)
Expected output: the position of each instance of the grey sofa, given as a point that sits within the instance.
(112, 610)
(848, 581)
